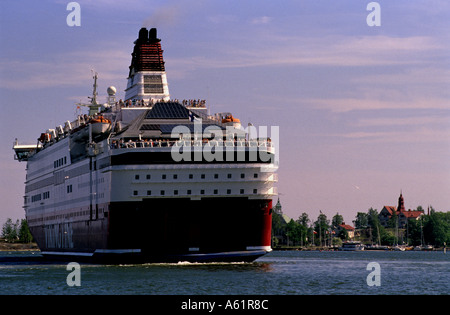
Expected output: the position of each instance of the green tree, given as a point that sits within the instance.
(393, 220)
(361, 220)
(387, 237)
(436, 228)
(303, 219)
(337, 220)
(372, 217)
(321, 226)
(343, 235)
(24, 232)
(303, 222)
(278, 229)
(277, 225)
(9, 230)
(374, 225)
(415, 231)
(292, 232)
(420, 208)
(337, 241)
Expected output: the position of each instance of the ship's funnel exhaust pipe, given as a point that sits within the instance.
(146, 36)
(152, 34)
(143, 34)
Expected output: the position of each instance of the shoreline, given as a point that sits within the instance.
(6, 247)
(336, 249)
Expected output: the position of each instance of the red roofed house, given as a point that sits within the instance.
(403, 215)
(350, 230)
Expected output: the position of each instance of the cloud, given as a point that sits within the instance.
(261, 20)
(68, 69)
(403, 121)
(415, 136)
(341, 105)
(341, 51)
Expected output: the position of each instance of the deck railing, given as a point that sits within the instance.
(150, 143)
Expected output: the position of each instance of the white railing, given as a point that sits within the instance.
(120, 144)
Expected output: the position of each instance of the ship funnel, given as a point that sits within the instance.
(147, 78)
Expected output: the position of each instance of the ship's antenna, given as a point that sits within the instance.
(93, 106)
(94, 91)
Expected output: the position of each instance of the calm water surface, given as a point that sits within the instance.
(288, 272)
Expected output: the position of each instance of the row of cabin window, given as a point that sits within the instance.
(60, 162)
(39, 197)
(191, 176)
(189, 192)
(46, 195)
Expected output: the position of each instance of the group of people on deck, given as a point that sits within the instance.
(151, 102)
(150, 143)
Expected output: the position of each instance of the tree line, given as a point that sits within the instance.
(428, 229)
(16, 231)
(433, 229)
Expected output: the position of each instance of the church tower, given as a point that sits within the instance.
(147, 79)
(401, 204)
(278, 209)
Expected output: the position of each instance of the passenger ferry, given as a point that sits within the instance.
(150, 178)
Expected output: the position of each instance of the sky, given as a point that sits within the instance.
(363, 111)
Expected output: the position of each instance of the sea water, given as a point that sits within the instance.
(277, 273)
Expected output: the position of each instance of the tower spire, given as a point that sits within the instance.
(401, 203)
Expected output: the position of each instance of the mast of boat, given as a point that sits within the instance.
(94, 91)
(378, 233)
(93, 105)
(396, 232)
(421, 232)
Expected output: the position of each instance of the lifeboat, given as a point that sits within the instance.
(100, 119)
(45, 137)
(230, 118)
(100, 126)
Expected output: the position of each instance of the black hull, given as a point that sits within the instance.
(164, 230)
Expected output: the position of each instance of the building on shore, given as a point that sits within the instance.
(348, 228)
(403, 215)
